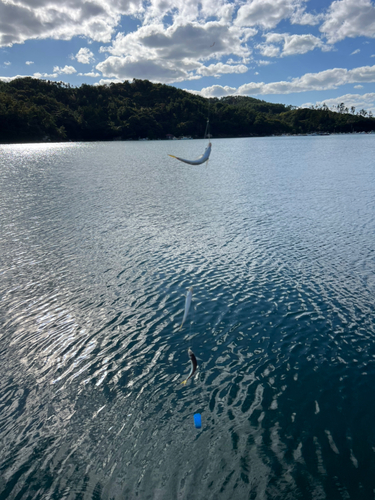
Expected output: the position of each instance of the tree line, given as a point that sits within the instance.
(33, 110)
(341, 108)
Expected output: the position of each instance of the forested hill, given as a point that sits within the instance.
(34, 110)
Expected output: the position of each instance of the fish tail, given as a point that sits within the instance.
(172, 156)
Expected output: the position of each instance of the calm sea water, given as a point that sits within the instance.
(99, 243)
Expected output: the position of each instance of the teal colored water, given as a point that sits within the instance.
(99, 244)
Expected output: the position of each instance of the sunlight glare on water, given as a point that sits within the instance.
(99, 243)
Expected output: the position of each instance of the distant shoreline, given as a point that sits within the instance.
(38, 111)
(194, 138)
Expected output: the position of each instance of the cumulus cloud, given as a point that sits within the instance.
(91, 74)
(182, 40)
(67, 70)
(325, 80)
(84, 56)
(44, 75)
(97, 20)
(107, 81)
(176, 53)
(29, 62)
(355, 52)
(126, 68)
(284, 44)
(7, 79)
(269, 13)
(188, 10)
(220, 69)
(349, 19)
(306, 18)
(269, 49)
(22, 20)
(215, 91)
(7, 63)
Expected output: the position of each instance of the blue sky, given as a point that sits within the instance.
(295, 52)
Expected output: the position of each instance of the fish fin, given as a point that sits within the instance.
(172, 156)
(184, 382)
(181, 326)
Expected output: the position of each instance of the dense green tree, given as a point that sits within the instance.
(33, 110)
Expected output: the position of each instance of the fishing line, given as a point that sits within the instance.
(207, 134)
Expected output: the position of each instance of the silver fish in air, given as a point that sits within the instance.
(194, 364)
(189, 296)
(205, 156)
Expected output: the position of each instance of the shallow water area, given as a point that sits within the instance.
(99, 243)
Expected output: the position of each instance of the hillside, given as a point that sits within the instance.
(34, 110)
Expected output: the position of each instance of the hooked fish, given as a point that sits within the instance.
(199, 160)
(194, 364)
(187, 304)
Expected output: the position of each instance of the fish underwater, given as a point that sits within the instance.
(194, 364)
(205, 156)
(189, 296)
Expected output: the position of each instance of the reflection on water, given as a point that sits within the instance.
(100, 242)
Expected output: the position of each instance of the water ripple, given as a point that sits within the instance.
(99, 244)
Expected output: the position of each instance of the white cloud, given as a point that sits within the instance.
(290, 44)
(188, 10)
(269, 50)
(107, 81)
(97, 20)
(355, 52)
(29, 62)
(325, 80)
(358, 86)
(349, 19)
(67, 70)
(220, 69)
(84, 56)
(35, 75)
(305, 18)
(8, 79)
(91, 74)
(176, 53)
(269, 13)
(45, 75)
(182, 41)
(126, 68)
(22, 20)
(7, 63)
(215, 91)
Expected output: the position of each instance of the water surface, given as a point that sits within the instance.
(99, 242)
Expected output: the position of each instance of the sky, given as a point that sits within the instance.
(295, 52)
